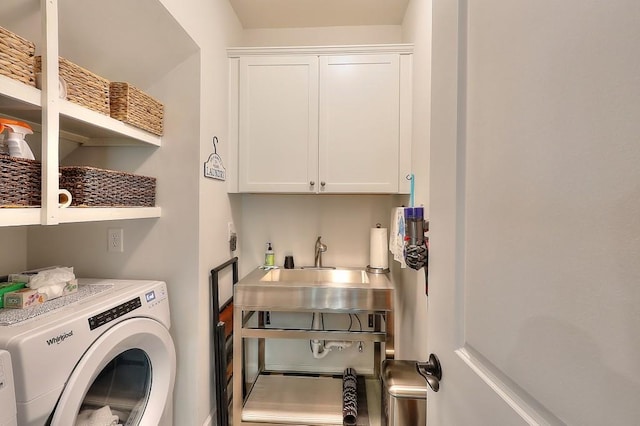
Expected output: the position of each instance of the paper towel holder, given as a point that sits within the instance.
(377, 270)
(373, 270)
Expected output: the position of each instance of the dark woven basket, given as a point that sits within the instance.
(93, 187)
(19, 182)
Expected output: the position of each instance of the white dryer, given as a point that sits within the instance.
(104, 351)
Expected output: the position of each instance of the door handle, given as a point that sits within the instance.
(431, 371)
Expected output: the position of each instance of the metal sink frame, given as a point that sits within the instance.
(340, 290)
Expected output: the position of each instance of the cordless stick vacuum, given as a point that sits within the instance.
(416, 248)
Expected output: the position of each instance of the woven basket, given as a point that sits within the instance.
(16, 57)
(19, 182)
(133, 106)
(93, 187)
(83, 87)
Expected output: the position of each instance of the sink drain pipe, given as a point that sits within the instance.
(321, 348)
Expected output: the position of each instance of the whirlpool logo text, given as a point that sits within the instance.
(59, 339)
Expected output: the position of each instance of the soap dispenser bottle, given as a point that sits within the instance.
(269, 256)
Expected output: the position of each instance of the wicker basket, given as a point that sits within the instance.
(19, 182)
(93, 187)
(16, 57)
(83, 87)
(133, 106)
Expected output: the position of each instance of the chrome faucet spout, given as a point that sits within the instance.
(320, 248)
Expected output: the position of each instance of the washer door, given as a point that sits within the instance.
(143, 347)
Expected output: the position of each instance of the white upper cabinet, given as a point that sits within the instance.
(323, 120)
(278, 123)
(360, 123)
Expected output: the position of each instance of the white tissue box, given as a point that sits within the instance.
(28, 297)
(58, 290)
(71, 287)
(24, 298)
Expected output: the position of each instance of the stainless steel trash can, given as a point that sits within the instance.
(404, 394)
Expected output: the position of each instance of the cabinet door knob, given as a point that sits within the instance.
(323, 184)
(312, 183)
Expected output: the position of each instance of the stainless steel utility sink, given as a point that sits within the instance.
(317, 276)
(341, 289)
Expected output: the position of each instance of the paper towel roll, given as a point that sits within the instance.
(64, 198)
(378, 257)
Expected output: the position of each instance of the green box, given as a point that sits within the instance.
(8, 288)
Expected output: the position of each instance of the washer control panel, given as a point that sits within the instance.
(156, 296)
(114, 313)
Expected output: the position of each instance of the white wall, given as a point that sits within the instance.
(293, 222)
(13, 250)
(365, 34)
(214, 27)
(410, 294)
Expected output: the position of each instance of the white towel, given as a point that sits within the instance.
(53, 282)
(100, 417)
(52, 276)
(396, 235)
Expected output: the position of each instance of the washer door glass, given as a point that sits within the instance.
(128, 372)
(121, 390)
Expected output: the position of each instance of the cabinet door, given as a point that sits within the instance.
(278, 136)
(359, 123)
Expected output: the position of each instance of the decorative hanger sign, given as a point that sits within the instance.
(213, 167)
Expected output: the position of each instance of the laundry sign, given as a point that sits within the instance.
(213, 167)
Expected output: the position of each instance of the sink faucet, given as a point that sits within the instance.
(320, 248)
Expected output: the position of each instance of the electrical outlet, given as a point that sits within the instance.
(115, 240)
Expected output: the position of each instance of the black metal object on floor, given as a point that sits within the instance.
(222, 338)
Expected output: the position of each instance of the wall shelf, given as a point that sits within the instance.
(58, 118)
(101, 130)
(17, 96)
(20, 216)
(32, 215)
(94, 214)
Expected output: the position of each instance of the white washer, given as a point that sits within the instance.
(8, 416)
(106, 346)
